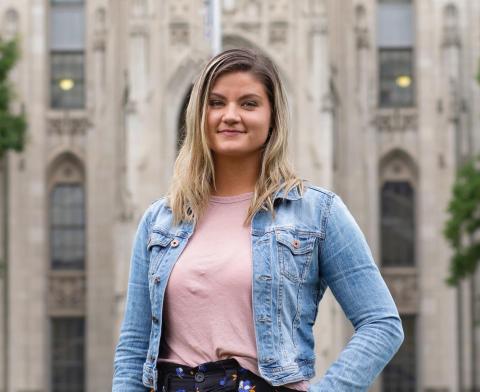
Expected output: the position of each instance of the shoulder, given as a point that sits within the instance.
(318, 195)
(329, 204)
(319, 191)
(157, 212)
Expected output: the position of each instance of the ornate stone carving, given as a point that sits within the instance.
(68, 126)
(319, 24)
(316, 7)
(66, 294)
(403, 284)
(10, 24)
(278, 7)
(100, 29)
(139, 8)
(328, 102)
(179, 33)
(100, 21)
(361, 29)
(253, 10)
(278, 33)
(451, 34)
(249, 27)
(396, 120)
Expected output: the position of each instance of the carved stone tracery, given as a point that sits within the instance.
(396, 120)
(179, 33)
(10, 24)
(68, 126)
(100, 30)
(403, 284)
(66, 294)
(278, 33)
(139, 8)
(451, 33)
(361, 28)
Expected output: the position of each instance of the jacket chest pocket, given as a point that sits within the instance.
(157, 246)
(295, 251)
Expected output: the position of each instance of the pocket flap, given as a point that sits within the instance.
(297, 243)
(158, 239)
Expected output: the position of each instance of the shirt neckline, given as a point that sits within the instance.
(231, 199)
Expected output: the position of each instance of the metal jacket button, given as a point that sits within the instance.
(174, 243)
(199, 377)
(296, 243)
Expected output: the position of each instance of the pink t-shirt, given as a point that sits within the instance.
(208, 301)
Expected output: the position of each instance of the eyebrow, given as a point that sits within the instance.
(250, 95)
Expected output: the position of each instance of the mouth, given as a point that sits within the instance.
(230, 131)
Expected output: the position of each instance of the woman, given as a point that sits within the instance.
(228, 270)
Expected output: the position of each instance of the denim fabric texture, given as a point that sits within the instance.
(312, 244)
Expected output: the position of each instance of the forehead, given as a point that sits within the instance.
(240, 81)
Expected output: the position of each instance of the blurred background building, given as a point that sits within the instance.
(384, 106)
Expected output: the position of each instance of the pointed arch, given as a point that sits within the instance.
(66, 167)
(66, 189)
(178, 88)
(398, 164)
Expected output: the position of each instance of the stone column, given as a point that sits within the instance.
(322, 145)
(328, 329)
(137, 88)
(28, 328)
(134, 145)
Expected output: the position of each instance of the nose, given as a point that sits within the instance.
(231, 114)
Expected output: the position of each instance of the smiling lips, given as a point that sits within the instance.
(230, 131)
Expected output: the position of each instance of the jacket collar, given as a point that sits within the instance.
(293, 194)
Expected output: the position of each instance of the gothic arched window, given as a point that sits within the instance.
(67, 270)
(67, 226)
(397, 225)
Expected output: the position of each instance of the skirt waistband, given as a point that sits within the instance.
(225, 375)
(225, 364)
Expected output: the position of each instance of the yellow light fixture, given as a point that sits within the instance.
(403, 81)
(66, 84)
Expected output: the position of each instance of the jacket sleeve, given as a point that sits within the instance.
(132, 347)
(348, 268)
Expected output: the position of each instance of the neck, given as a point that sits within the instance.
(235, 176)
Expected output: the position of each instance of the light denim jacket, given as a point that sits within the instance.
(313, 243)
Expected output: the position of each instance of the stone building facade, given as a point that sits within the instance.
(384, 107)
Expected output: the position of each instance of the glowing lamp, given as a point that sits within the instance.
(66, 84)
(403, 81)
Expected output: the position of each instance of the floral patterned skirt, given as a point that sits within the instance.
(225, 375)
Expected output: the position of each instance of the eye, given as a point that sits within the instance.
(250, 104)
(215, 103)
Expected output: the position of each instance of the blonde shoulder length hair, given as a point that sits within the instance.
(194, 175)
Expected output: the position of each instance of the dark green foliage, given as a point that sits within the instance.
(462, 229)
(12, 127)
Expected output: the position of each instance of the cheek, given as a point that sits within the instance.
(212, 119)
(263, 121)
(209, 120)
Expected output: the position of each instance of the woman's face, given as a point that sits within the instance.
(238, 116)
